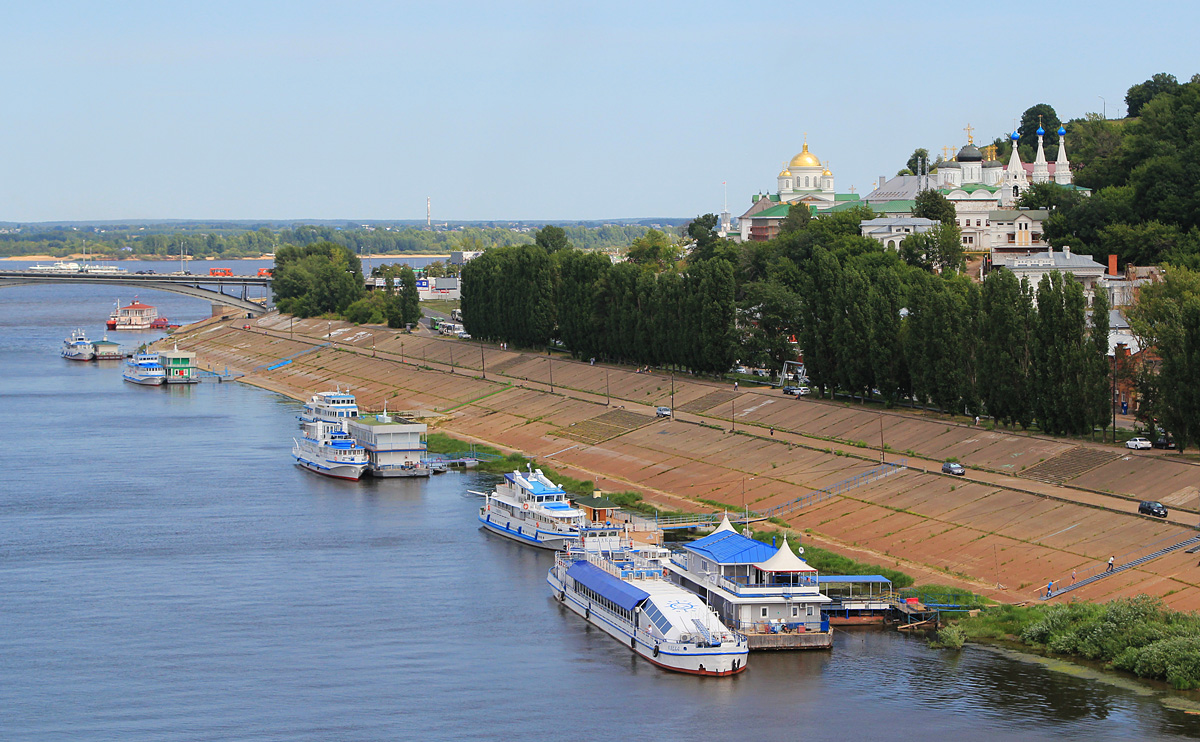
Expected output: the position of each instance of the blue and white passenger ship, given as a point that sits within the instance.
(626, 596)
(327, 449)
(145, 369)
(78, 348)
(533, 510)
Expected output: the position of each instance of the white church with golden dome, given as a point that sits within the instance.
(805, 177)
(803, 180)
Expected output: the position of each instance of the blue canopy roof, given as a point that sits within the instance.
(618, 591)
(536, 487)
(852, 578)
(727, 547)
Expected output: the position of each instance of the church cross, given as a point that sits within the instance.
(968, 128)
(946, 152)
(852, 189)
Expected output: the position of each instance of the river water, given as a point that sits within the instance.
(166, 573)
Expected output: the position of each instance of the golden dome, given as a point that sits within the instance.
(827, 172)
(785, 173)
(805, 159)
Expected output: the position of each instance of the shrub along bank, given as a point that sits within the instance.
(1138, 635)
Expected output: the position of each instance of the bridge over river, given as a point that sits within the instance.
(209, 288)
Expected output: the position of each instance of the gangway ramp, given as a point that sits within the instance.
(1193, 542)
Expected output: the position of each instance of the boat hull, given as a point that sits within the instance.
(710, 663)
(78, 356)
(533, 538)
(349, 472)
(145, 380)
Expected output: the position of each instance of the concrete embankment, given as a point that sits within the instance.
(994, 531)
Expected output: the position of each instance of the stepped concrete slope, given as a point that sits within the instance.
(995, 530)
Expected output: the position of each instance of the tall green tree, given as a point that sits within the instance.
(653, 250)
(822, 275)
(852, 334)
(914, 160)
(1043, 115)
(931, 204)
(1004, 354)
(797, 219)
(1139, 95)
(885, 302)
(1167, 321)
(1099, 382)
(551, 239)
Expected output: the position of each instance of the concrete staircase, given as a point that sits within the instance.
(1194, 541)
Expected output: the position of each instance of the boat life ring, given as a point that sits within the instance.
(526, 506)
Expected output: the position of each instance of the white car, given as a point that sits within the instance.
(1137, 443)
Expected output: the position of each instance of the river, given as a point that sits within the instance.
(166, 573)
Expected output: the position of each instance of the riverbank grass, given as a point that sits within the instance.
(1138, 635)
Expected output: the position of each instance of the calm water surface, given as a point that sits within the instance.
(167, 574)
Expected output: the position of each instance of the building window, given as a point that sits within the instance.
(810, 610)
(978, 223)
(795, 611)
(763, 612)
(806, 186)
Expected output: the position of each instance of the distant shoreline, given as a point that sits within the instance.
(160, 257)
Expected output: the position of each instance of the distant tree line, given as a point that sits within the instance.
(231, 242)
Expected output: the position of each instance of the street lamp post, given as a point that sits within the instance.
(551, 362)
(672, 395)
(451, 358)
(1103, 107)
(607, 390)
(482, 359)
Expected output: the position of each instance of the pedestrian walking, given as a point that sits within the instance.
(1072, 577)
(735, 386)
(1110, 564)
(1049, 588)
(772, 432)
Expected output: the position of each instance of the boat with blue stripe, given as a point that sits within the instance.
(625, 595)
(529, 508)
(328, 450)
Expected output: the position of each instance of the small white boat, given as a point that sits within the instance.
(533, 510)
(328, 450)
(624, 594)
(145, 369)
(77, 347)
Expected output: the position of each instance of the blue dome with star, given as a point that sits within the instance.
(1015, 136)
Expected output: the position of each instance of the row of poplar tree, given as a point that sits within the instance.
(867, 323)
(624, 312)
(1002, 348)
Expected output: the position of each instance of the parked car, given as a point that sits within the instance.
(803, 391)
(1165, 442)
(1137, 444)
(951, 467)
(793, 390)
(1152, 508)
(662, 412)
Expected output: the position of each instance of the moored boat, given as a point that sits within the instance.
(533, 510)
(625, 595)
(136, 316)
(77, 347)
(144, 368)
(328, 450)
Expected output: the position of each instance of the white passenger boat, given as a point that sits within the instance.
(145, 369)
(78, 348)
(533, 510)
(335, 406)
(625, 595)
(59, 267)
(327, 449)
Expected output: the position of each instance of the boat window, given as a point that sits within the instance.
(810, 610)
(763, 611)
(795, 611)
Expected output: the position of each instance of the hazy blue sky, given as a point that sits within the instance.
(524, 110)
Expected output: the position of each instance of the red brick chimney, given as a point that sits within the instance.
(1112, 265)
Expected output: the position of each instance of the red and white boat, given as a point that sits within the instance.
(136, 316)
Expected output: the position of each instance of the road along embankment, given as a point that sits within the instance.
(992, 532)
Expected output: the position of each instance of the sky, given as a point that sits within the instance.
(525, 110)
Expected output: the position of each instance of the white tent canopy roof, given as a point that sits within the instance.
(785, 560)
